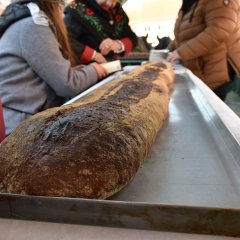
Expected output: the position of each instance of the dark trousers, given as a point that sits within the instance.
(222, 91)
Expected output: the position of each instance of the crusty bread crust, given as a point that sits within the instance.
(91, 148)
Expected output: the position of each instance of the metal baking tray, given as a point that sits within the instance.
(189, 183)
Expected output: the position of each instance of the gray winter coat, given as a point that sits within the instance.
(34, 75)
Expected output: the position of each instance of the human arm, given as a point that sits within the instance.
(173, 56)
(41, 50)
(122, 46)
(125, 39)
(98, 57)
(220, 22)
(84, 53)
(109, 44)
(172, 46)
(101, 71)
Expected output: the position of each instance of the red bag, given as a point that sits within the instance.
(2, 126)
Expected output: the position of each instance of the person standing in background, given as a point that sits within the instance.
(37, 67)
(99, 30)
(207, 41)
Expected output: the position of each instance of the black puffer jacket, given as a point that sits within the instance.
(12, 14)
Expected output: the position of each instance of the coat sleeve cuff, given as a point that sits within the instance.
(87, 55)
(127, 45)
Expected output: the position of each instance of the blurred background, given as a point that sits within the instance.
(147, 17)
(152, 17)
(3, 3)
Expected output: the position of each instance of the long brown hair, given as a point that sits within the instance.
(51, 9)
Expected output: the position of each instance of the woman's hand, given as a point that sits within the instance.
(99, 58)
(173, 56)
(108, 45)
(101, 71)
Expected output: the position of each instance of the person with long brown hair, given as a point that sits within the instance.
(37, 66)
(207, 41)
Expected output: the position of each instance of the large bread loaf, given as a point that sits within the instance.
(91, 148)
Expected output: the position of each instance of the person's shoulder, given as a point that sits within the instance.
(21, 25)
(71, 15)
(119, 9)
(30, 31)
(71, 9)
(38, 16)
(29, 22)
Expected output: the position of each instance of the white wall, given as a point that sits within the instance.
(152, 17)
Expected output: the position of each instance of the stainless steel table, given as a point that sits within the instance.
(31, 230)
(190, 182)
